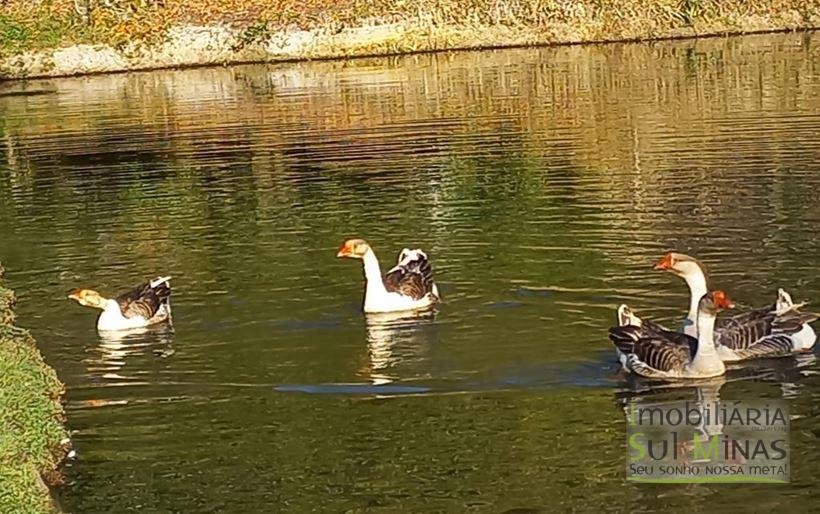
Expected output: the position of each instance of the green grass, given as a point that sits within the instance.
(14, 35)
(31, 416)
(37, 32)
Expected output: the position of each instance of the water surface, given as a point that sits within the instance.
(542, 182)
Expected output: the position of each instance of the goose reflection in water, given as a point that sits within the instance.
(394, 339)
(705, 396)
(787, 372)
(701, 397)
(117, 347)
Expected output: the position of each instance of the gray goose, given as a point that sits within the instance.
(655, 353)
(776, 330)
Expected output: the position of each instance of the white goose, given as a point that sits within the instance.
(773, 331)
(405, 287)
(147, 304)
(658, 355)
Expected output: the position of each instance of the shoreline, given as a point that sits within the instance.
(330, 58)
(221, 44)
(34, 441)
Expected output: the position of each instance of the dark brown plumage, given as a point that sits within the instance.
(745, 331)
(774, 345)
(652, 349)
(144, 300)
(412, 276)
(655, 330)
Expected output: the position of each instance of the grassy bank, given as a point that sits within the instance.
(31, 430)
(63, 37)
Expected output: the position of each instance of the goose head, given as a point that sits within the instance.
(354, 249)
(715, 301)
(681, 265)
(87, 297)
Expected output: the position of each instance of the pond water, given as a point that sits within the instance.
(544, 183)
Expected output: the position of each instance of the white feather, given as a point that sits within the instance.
(159, 280)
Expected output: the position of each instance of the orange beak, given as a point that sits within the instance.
(74, 294)
(665, 263)
(344, 251)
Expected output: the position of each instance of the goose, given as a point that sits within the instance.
(147, 304)
(776, 330)
(406, 286)
(736, 341)
(655, 355)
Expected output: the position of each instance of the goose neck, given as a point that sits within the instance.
(372, 272)
(696, 281)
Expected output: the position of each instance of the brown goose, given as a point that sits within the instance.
(407, 286)
(147, 304)
(655, 354)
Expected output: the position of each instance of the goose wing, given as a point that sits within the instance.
(145, 299)
(653, 349)
(650, 328)
(657, 330)
(744, 318)
(412, 276)
(774, 345)
(792, 322)
(738, 335)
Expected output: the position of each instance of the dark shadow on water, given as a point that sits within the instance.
(352, 389)
(604, 373)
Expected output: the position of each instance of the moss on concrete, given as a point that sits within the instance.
(66, 37)
(32, 436)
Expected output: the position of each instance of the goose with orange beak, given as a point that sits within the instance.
(407, 286)
(654, 355)
(776, 330)
(147, 304)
